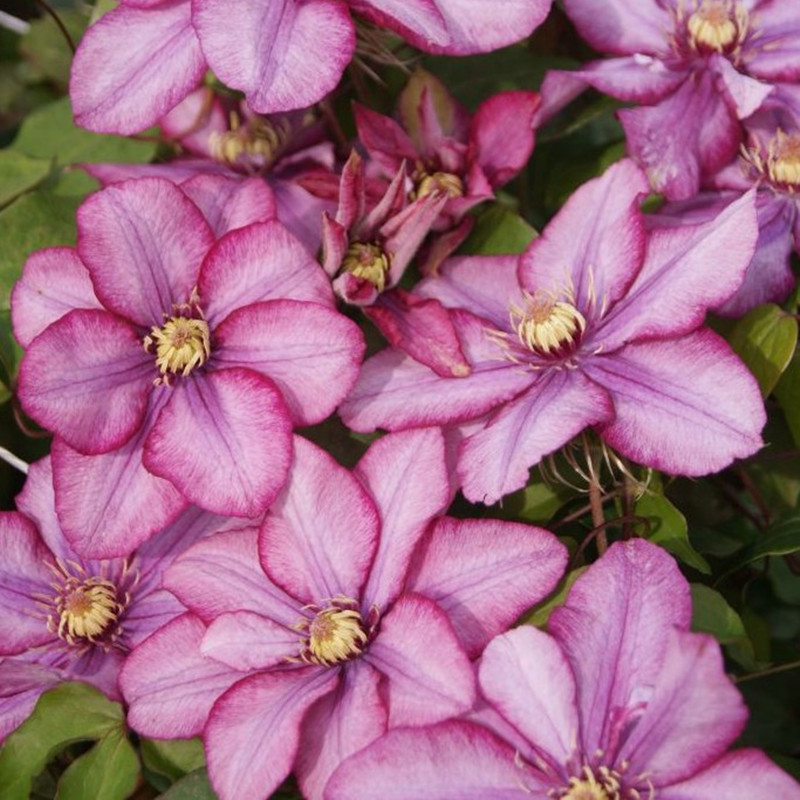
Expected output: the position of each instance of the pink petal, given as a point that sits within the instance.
(260, 262)
(496, 460)
(230, 203)
(449, 761)
(300, 211)
(254, 729)
(53, 282)
(775, 53)
(745, 93)
(594, 246)
(385, 140)
(527, 679)
(406, 475)
(269, 51)
(320, 536)
(151, 611)
(87, 378)
(311, 352)
(246, 641)
(485, 573)
(617, 655)
(133, 66)
(222, 574)
(142, 242)
(694, 715)
(429, 675)
(224, 441)
(193, 120)
(338, 725)
(685, 406)
(37, 502)
(169, 686)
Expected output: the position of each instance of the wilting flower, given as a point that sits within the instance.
(695, 67)
(345, 615)
(65, 617)
(618, 702)
(595, 324)
(172, 365)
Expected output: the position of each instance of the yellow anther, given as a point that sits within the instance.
(258, 142)
(181, 344)
(444, 182)
(547, 326)
(368, 262)
(335, 635)
(717, 25)
(87, 609)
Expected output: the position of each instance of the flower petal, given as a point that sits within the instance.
(485, 573)
(87, 378)
(37, 501)
(142, 242)
(224, 440)
(319, 538)
(246, 641)
(686, 406)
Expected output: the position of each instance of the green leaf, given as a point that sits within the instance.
(10, 355)
(781, 539)
(46, 46)
(788, 393)
(536, 503)
(19, 174)
(49, 132)
(194, 786)
(498, 231)
(765, 339)
(668, 528)
(712, 614)
(36, 220)
(173, 758)
(110, 771)
(72, 712)
(541, 613)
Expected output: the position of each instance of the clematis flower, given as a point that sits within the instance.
(620, 705)
(171, 364)
(65, 617)
(348, 613)
(694, 68)
(142, 58)
(596, 324)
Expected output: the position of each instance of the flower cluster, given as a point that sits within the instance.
(329, 597)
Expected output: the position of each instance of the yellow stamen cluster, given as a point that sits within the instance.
(335, 634)
(782, 164)
(368, 262)
(444, 182)
(181, 345)
(547, 326)
(87, 609)
(258, 142)
(717, 25)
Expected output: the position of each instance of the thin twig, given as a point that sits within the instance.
(598, 517)
(45, 6)
(765, 672)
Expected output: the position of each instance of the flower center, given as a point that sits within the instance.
(445, 182)
(258, 142)
(181, 345)
(368, 262)
(603, 786)
(546, 326)
(717, 26)
(86, 609)
(336, 633)
(783, 160)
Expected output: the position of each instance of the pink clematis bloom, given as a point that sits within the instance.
(143, 57)
(172, 359)
(350, 612)
(597, 323)
(64, 617)
(618, 702)
(696, 68)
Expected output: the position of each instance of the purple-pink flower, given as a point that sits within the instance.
(349, 612)
(618, 702)
(173, 364)
(596, 324)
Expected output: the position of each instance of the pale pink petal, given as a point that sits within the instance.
(270, 51)
(222, 574)
(224, 441)
(775, 52)
(594, 246)
(260, 262)
(496, 460)
(169, 685)
(87, 378)
(740, 775)
(406, 476)
(528, 681)
(133, 66)
(151, 611)
(694, 715)
(142, 242)
(17, 706)
(683, 276)
(37, 502)
(429, 676)
(617, 648)
(192, 122)
(311, 352)
(319, 538)
(454, 760)
(230, 203)
(745, 93)
(300, 211)
(254, 730)
(687, 406)
(616, 26)
(53, 282)
(246, 641)
(485, 574)
(338, 725)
